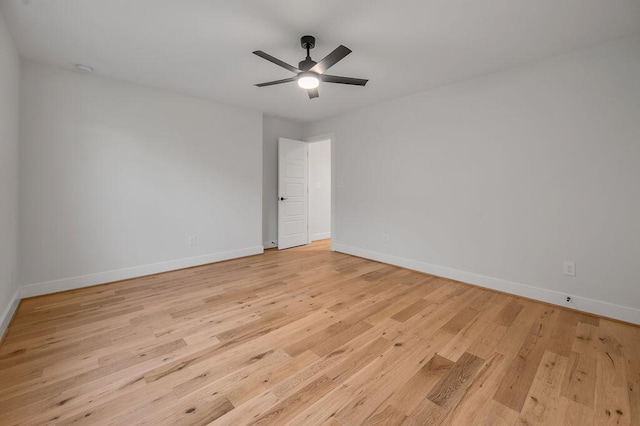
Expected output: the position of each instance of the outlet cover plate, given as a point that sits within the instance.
(569, 268)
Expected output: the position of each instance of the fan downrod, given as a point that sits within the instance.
(308, 42)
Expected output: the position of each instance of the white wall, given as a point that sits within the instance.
(273, 128)
(499, 179)
(9, 109)
(116, 177)
(320, 190)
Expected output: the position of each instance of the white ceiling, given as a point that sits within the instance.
(203, 47)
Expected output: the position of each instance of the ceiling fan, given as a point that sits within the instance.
(309, 72)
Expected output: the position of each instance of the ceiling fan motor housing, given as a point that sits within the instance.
(308, 42)
(306, 65)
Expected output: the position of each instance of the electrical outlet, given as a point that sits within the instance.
(569, 268)
(192, 241)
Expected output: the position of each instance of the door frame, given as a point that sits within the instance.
(319, 138)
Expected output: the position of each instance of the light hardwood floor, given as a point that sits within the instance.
(310, 337)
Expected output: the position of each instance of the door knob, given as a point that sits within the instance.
(282, 198)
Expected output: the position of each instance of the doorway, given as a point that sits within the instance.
(320, 190)
(304, 191)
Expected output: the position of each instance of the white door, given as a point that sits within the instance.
(292, 193)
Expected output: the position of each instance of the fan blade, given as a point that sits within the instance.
(313, 93)
(331, 59)
(276, 61)
(271, 83)
(343, 80)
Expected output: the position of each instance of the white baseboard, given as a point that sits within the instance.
(9, 311)
(623, 313)
(71, 283)
(320, 236)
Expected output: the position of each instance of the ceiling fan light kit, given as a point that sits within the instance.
(309, 72)
(308, 80)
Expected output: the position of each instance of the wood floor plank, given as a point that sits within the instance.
(509, 313)
(496, 414)
(291, 406)
(244, 385)
(572, 413)
(453, 385)
(479, 394)
(411, 310)
(514, 389)
(586, 339)
(409, 396)
(485, 344)
(473, 331)
(201, 412)
(312, 337)
(611, 395)
(631, 336)
(427, 413)
(543, 399)
(360, 395)
(579, 382)
(388, 416)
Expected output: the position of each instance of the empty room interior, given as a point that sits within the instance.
(320, 212)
